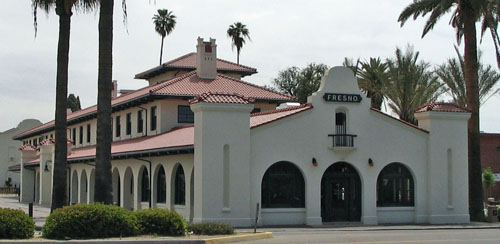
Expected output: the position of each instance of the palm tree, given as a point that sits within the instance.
(372, 77)
(465, 14)
(64, 11)
(103, 183)
(164, 24)
(238, 32)
(452, 74)
(410, 84)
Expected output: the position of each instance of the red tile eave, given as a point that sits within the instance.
(399, 120)
(288, 112)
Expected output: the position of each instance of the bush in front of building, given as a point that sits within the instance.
(211, 228)
(87, 221)
(160, 222)
(15, 224)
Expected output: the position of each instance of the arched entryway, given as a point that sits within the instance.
(340, 193)
(160, 187)
(144, 192)
(83, 187)
(116, 187)
(128, 189)
(74, 187)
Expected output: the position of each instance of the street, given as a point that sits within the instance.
(385, 236)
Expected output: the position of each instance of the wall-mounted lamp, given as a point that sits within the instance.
(314, 162)
(48, 163)
(370, 162)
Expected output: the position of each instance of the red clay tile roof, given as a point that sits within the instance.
(399, 120)
(221, 98)
(16, 167)
(442, 107)
(262, 118)
(188, 62)
(188, 85)
(27, 147)
(191, 85)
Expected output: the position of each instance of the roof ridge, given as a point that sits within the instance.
(248, 83)
(177, 59)
(399, 120)
(281, 110)
(241, 65)
(166, 83)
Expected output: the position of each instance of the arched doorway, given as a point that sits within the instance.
(116, 187)
(340, 193)
(83, 187)
(74, 187)
(160, 187)
(91, 186)
(144, 193)
(128, 189)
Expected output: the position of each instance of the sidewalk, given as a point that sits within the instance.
(40, 213)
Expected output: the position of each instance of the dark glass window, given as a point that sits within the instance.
(129, 124)
(35, 142)
(340, 123)
(139, 121)
(73, 136)
(255, 110)
(395, 186)
(161, 186)
(145, 193)
(80, 139)
(153, 118)
(88, 133)
(185, 114)
(283, 187)
(180, 187)
(118, 127)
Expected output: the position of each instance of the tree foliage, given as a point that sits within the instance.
(164, 23)
(74, 103)
(452, 73)
(488, 179)
(300, 83)
(238, 33)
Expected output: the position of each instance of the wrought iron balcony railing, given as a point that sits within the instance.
(343, 140)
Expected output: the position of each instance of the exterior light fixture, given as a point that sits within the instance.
(48, 163)
(314, 162)
(370, 162)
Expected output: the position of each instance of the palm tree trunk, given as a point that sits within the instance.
(472, 96)
(238, 55)
(59, 198)
(161, 49)
(104, 134)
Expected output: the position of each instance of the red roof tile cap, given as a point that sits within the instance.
(50, 141)
(27, 147)
(442, 107)
(210, 97)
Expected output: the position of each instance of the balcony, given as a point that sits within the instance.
(342, 142)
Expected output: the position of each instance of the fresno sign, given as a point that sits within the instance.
(344, 98)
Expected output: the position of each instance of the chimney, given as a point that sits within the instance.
(68, 111)
(206, 59)
(114, 89)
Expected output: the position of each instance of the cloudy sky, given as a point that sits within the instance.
(284, 33)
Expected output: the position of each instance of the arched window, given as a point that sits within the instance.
(161, 186)
(283, 187)
(145, 194)
(395, 186)
(180, 187)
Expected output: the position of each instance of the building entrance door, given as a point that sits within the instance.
(340, 194)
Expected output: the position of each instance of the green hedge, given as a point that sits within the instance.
(211, 228)
(85, 221)
(15, 224)
(160, 222)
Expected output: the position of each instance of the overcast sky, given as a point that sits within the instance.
(284, 33)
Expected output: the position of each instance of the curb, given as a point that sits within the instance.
(238, 238)
(216, 240)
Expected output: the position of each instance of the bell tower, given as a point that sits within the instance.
(206, 59)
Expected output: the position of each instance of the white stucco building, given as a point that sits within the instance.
(188, 142)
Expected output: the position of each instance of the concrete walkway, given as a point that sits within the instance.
(40, 213)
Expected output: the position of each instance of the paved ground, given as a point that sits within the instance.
(40, 213)
(422, 236)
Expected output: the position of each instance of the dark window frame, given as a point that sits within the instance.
(153, 118)
(89, 134)
(161, 186)
(283, 186)
(73, 136)
(128, 124)
(395, 186)
(145, 189)
(180, 186)
(140, 122)
(80, 133)
(185, 114)
(118, 126)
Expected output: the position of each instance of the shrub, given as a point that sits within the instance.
(160, 222)
(85, 221)
(211, 228)
(15, 224)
